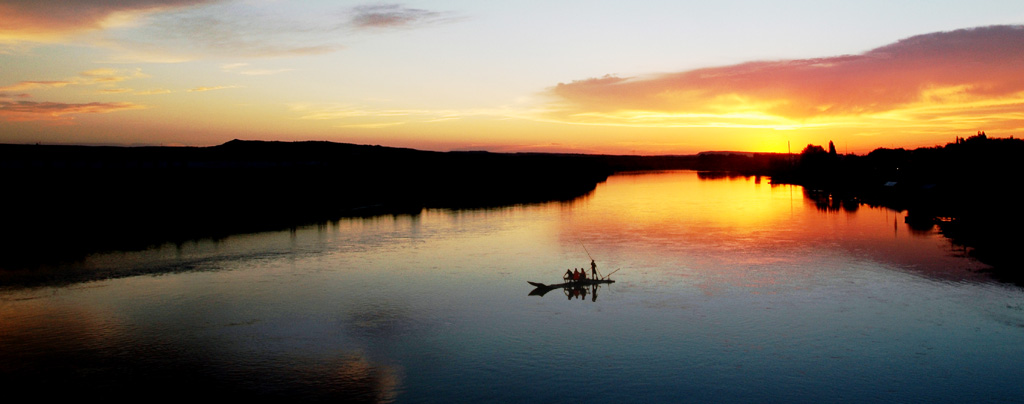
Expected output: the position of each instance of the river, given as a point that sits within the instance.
(727, 290)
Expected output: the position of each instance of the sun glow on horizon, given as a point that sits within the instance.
(99, 72)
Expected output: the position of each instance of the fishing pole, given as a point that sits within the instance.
(609, 275)
(585, 249)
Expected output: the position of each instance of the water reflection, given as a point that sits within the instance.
(830, 202)
(740, 231)
(727, 289)
(693, 214)
(67, 352)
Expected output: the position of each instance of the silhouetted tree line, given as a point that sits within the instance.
(969, 188)
(70, 200)
(67, 199)
(947, 178)
(77, 199)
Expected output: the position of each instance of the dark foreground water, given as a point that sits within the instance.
(727, 290)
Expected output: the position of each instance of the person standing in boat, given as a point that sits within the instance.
(593, 269)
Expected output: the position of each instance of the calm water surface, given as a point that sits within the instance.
(728, 290)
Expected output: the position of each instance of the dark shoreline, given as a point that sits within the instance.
(124, 198)
(968, 189)
(65, 202)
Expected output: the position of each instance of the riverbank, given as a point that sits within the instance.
(66, 201)
(967, 189)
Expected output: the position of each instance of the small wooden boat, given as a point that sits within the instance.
(541, 289)
(570, 284)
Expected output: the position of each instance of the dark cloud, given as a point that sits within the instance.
(176, 30)
(248, 30)
(234, 30)
(394, 16)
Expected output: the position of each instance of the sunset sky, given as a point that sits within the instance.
(639, 77)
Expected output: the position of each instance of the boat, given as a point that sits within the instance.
(575, 285)
(571, 284)
(572, 288)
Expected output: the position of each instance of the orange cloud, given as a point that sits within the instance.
(106, 75)
(209, 88)
(154, 91)
(21, 111)
(39, 20)
(5, 95)
(103, 76)
(28, 85)
(924, 78)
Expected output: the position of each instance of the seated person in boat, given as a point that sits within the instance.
(567, 276)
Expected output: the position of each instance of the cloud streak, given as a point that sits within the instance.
(31, 85)
(40, 20)
(239, 32)
(21, 111)
(924, 78)
(209, 88)
(161, 30)
(180, 30)
(260, 30)
(102, 76)
(394, 16)
(5, 95)
(154, 91)
(13, 110)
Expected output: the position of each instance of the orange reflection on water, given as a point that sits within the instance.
(670, 206)
(741, 232)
